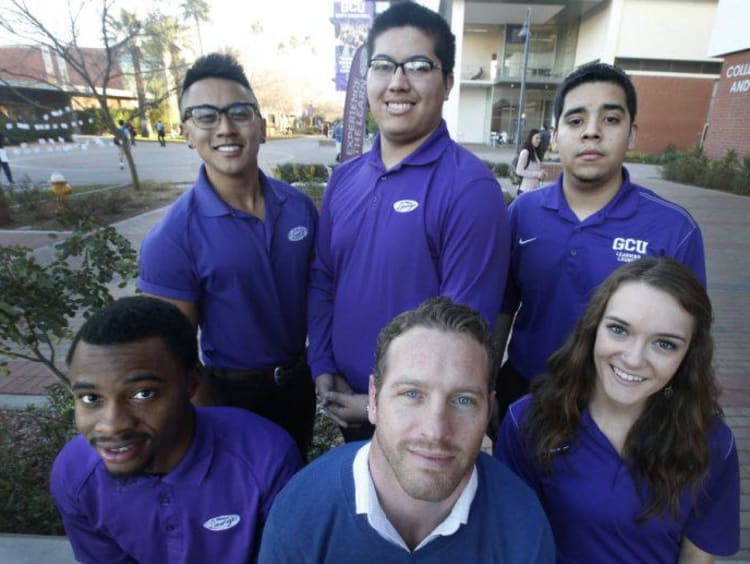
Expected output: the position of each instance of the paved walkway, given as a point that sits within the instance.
(725, 222)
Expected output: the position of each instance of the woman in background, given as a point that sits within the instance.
(529, 165)
(623, 440)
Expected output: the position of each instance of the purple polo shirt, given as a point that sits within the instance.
(247, 277)
(433, 225)
(592, 501)
(558, 261)
(210, 508)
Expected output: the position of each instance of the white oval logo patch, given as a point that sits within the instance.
(298, 233)
(222, 522)
(405, 206)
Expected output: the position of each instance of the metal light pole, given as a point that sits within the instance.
(526, 34)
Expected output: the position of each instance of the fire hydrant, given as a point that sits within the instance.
(60, 187)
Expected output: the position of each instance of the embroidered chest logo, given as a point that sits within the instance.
(628, 250)
(297, 233)
(405, 206)
(222, 522)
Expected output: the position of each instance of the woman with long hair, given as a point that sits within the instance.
(623, 439)
(529, 164)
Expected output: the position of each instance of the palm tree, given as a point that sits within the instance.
(198, 11)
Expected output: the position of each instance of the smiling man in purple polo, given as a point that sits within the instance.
(415, 217)
(150, 478)
(233, 253)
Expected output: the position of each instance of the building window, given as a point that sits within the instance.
(667, 65)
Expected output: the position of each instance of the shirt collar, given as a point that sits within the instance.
(194, 466)
(623, 205)
(367, 503)
(210, 204)
(429, 151)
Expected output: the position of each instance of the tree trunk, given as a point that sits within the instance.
(135, 53)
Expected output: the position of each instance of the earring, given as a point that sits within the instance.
(668, 391)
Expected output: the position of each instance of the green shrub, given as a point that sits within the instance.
(313, 189)
(501, 169)
(296, 172)
(27, 450)
(720, 174)
(741, 182)
(690, 168)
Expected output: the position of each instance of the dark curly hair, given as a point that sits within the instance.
(596, 72)
(215, 65)
(667, 447)
(135, 318)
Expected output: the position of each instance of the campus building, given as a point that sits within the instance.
(662, 44)
(729, 116)
(39, 88)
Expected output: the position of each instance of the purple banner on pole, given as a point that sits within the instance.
(355, 106)
(351, 20)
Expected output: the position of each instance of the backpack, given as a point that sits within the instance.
(515, 179)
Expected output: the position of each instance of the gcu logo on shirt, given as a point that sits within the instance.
(628, 250)
(297, 233)
(622, 244)
(405, 206)
(222, 522)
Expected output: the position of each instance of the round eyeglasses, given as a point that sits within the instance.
(417, 68)
(207, 116)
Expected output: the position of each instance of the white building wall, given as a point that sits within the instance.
(592, 36)
(730, 33)
(666, 29)
(474, 116)
(478, 50)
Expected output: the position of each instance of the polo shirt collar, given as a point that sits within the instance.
(210, 204)
(429, 151)
(623, 205)
(366, 502)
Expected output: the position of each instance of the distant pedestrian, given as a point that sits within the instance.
(4, 160)
(545, 135)
(160, 133)
(131, 132)
(121, 139)
(529, 163)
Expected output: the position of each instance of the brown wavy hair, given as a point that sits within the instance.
(667, 447)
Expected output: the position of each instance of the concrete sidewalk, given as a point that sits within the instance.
(725, 222)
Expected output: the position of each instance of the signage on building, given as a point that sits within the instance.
(351, 20)
(739, 74)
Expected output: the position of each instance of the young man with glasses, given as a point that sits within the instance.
(233, 254)
(417, 216)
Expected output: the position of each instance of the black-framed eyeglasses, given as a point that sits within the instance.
(416, 67)
(207, 116)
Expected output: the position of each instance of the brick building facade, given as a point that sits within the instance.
(671, 111)
(729, 125)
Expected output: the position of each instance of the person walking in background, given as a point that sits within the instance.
(567, 237)
(122, 138)
(544, 144)
(529, 166)
(131, 132)
(160, 134)
(4, 161)
(623, 438)
(417, 216)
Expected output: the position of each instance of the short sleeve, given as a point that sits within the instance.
(714, 522)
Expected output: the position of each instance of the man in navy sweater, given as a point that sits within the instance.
(420, 490)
